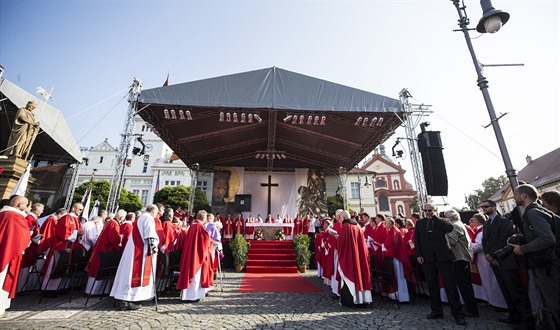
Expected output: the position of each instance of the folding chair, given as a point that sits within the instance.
(385, 277)
(61, 262)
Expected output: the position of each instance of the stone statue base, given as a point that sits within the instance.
(13, 170)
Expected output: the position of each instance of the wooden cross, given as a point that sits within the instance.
(269, 185)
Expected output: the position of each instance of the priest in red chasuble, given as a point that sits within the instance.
(109, 240)
(126, 228)
(30, 256)
(14, 239)
(68, 229)
(228, 227)
(238, 225)
(298, 225)
(269, 219)
(47, 230)
(249, 230)
(134, 280)
(288, 230)
(196, 275)
(353, 264)
(394, 247)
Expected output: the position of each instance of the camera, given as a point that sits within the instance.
(514, 217)
(507, 250)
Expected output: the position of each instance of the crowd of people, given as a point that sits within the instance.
(508, 262)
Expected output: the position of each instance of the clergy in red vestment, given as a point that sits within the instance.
(168, 231)
(288, 230)
(269, 219)
(109, 240)
(379, 236)
(228, 227)
(328, 246)
(306, 224)
(196, 275)
(353, 264)
(249, 230)
(134, 280)
(393, 247)
(29, 258)
(159, 226)
(47, 230)
(66, 234)
(409, 240)
(238, 225)
(14, 239)
(369, 230)
(334, 231)
(298, 225)
(126, 228)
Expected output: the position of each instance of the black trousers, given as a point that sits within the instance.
(515, 295)
(445, 269)
(462, 270)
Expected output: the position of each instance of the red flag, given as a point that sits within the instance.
(166, 83)
(157, 182)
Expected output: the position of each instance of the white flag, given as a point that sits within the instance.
(85, 203)
(21, 186)
(94, 210)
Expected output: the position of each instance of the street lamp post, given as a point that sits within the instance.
(491, 21)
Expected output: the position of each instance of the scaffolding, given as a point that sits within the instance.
(414, 115)
(117, 181)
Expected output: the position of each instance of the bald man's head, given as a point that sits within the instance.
(19, 202)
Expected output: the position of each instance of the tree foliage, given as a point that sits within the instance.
(489, 187)
(100, 190)
(334, 203)
(178, 196)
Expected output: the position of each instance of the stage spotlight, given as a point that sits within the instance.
(173, 114)
(364, 123)
(257, 156)
(309, 120)
(316, 121)
(288, 118)
(250, 116)
(181, 115)
(323, 118)
(166, 114)
(358, 121)
(373, 121)
(188, 113)
(243, 117)
(222, 116)
(228, 117)
(294, 120)
(257, 118)
(379, 122)
(301, 119)
(235, 118)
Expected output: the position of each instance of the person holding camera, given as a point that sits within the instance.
(436, 257)
(538, 246)
(497, 230)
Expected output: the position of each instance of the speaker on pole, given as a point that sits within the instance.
(242, 203)
(430, 147)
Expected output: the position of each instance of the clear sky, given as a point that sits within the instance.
(89, 51)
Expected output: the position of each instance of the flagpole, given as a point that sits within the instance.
(87, 197)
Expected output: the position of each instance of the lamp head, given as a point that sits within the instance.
(492, 19)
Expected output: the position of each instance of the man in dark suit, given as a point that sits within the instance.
(496, 232)
(434, 254)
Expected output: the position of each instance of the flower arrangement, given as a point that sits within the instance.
(280, 235)
(259, 235)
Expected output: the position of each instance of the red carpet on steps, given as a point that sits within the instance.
(271, 257)
(276, 283)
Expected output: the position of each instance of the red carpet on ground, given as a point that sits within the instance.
(276, 282)
(271, 257)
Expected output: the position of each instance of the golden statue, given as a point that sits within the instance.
(24, 131)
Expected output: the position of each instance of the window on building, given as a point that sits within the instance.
(100, 159)
(145, 168)
(383, 203)
(354, 190)
(202, 185)
(396, 185)
(136, 192)
(400, 209)
(144, 197)
(381, 183)
(178, 182)
(166, 182)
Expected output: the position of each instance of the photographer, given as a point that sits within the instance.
(497, 230)
(539, 249)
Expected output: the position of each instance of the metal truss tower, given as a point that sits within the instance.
(126, 137)
(414, 115)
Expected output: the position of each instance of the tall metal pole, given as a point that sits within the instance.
(118, 176)
(72, 187)
(194, 179)
(483, 85)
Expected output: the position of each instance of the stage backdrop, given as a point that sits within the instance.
(227, 182)
(312, 192)
(283, 193)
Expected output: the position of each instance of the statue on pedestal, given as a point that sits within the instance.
(24, 131)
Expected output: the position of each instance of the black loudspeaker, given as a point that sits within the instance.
(242, 203)
(429, 145)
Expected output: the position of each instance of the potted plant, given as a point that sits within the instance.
(301, 251)
(239, 249)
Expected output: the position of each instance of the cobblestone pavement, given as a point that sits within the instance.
(233, 310)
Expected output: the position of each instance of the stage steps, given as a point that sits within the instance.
(271, 257)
